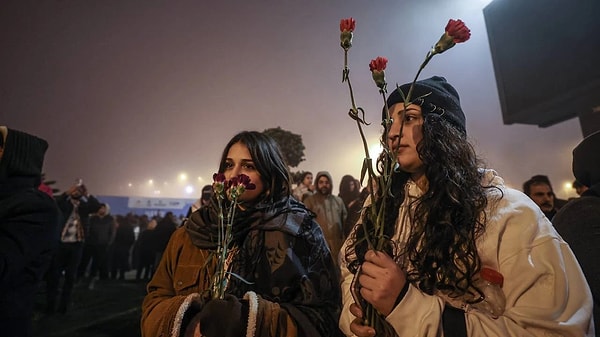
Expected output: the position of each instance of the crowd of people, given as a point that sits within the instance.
(301, 259)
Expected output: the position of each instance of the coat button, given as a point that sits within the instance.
(179, 283)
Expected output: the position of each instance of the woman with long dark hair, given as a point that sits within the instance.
(282, 279)
(452, 228)
(351, 196)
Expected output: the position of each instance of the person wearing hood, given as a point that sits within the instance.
(330, 210)
(282, 280)
(28, 228)
(578, 222)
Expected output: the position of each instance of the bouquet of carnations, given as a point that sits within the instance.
(227, 193)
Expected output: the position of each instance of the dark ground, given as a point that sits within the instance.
(111, 309)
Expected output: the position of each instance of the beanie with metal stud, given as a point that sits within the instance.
(434, 95)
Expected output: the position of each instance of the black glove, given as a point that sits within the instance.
(224, 318)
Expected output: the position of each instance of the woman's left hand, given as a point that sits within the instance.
(381, 281)
(357, 327)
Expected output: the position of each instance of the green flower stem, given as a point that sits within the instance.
(217, 276)
(346, 78)
(219, 279)
(428, 58)
(354, 108)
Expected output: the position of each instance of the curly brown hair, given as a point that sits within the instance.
(445, 221)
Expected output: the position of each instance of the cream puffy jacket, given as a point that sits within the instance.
(546, 291)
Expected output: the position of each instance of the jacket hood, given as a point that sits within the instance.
(324, 173)
(586, 162)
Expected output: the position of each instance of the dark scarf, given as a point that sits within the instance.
(202, 226)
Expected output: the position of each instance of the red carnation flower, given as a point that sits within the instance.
(458, 31)
(218, 177)
(378, 64)
(347, 25)
(377, 67)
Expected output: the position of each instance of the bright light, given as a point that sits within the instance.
(189, 189)
(129, 185)
(157, 192)
(375, 150)
(568, 190)
(150, 182)
(182, 177)
(200, 179)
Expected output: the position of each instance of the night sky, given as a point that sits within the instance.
(127, 91)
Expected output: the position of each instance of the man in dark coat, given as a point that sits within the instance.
(578, 222)
(76, 204)
(28, 228)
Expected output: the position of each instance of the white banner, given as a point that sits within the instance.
(158, 203)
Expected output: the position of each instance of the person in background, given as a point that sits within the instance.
(124, 239)
(449, 226)
(350, 194)
(539, 189)
(100, 235)
(165, 227)
(330, 210)
(76, 204)
(578, 222)
(145, 253)
(305, 187)
(207, 192)
(290, 287)
(28, 225)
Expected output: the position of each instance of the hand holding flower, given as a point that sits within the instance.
(219, 318)
(381, 281)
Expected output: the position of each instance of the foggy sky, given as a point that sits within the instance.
(126, 91)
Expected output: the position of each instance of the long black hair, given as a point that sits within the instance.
(268, 160)
(345, 193)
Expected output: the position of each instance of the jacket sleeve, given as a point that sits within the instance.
(64, 205)
(546, 292)
(28, 226)
(163, 309)
(92, 205)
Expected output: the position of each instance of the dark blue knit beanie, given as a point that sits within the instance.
(434, 95)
